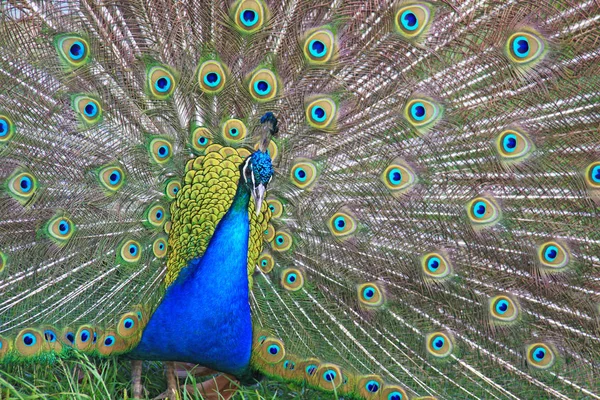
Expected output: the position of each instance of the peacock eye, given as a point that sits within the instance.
(159, 247)
(172, 187)
(439, 344)
(211, 77)
(435, 266)
(422, 113)
(554, 255)
(292, 279)
(503, 308)
(282, 241)
(524, 47)
(130, 251)
(513, 145)
(160, 150)
(303, 174)
(263, 85)
(539, 355)
(88, 108)
(249, 15)
(271, 350)
(72, 49)
(234, 130)
(7, 128)
(592, 175)
(321, 113)
(161, 82)
(276, 207)
(22, 186)
(60, 229)
(200, 139)
(329, 376)
(370, 295)
(412, 21)
(398, 178)
(155, 216)
(391, 392)
(111, 177)
(483, 212)
(342, 224)
(266, 263)
(319, 46)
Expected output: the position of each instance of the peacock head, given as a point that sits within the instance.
(257, 172)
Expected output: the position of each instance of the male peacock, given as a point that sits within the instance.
(430, 230)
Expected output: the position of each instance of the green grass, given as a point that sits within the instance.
(87, 378)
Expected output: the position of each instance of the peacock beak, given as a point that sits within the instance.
(258, 193)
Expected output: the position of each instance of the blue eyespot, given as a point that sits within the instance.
(25, 184)
(202, 140)
(433, 264)
(521, 46)
(109, 341)
(128, 323)
(417, 111)
(551, 253)
(264, 263)
(368, 293)
(596, 174)
(29, 339)
(77, 50)
(395, 396)
(50, 336)
(395, 176)
(249, 17)
(372, 386)
(85, 335)
(133, 250)
(438, 342)
(311, 369)
(161, 246)
(479, 209)
(272, 207)
(318, 114)
(291, 278)
(539, 353)
(300, 174)
(163, 151)
(273, 349)
(162, 84)
(139, 313)
(212, 79)
(409, 20)
(339, 223)
(502, 306)
(3, 127)
(63, 227)
(289, 365)
(329, 375)
(317, 48)
(70, 337)
(262, 87)
(279, 239)
(95, 337)
(115, 177)
(90, 109)
(159, 215)
(234, 132)
(509, 143)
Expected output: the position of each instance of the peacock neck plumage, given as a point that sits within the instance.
(204, 317)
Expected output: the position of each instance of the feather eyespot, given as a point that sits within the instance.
(540, 355)
(263, 85)
(28, 342)
(266, 263)
(271, 350)
(211, 76)
(342, 225)
(503, 308)
(398, 178)
(329, 376)
(422, 113)
(234, 130)
(160, 150)
(276, 207)
(156, 216)
(412, 21)
(112, 177)
(200, 139)
(435, 266)
(73, 49)
(269, 233)
(592, 175)
(131, 251)
(128, 325)
(319, 46)
(393, 393)
(524, 47)
(88, 108)
(483, 212)
(369, 385)
(321, 113)
(282, 241)
(22, 186)
(513, 145)
(554, 255)
(250, 15)
(60, 229)
(161, 82)
(159, 247)
(292, 279)
(370, 295)
(84, 338)
(172, 188)
(303, 173)
(7, 128)
(439, 344)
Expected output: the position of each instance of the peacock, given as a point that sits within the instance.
(378, 199)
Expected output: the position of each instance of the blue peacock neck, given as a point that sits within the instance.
(204, 317)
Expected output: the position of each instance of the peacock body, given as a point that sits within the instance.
(433, 176)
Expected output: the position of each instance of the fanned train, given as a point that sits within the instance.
(379, 199)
